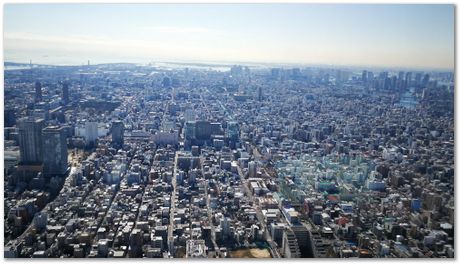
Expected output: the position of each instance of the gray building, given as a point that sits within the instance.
(54, 150)
(65, 92)
(38, 92)
(117, 133)
(30, 140)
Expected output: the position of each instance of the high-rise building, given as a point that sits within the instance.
(370, 76)
(275, 73)
(189, 115)
(38, 91)
(259, 93)
(90, 133)
(233, 132)
(418, 78)
(30, 140)
(65, 92)
(10, 117)
(117, 133)
(425, 80)
(364, 76)
(189, 130)
(54, 150)
(166, 82)
(236, 70)
(203, 130)
(252, 168)
(408, 80)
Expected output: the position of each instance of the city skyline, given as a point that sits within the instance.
(229, 131)
(379, 35)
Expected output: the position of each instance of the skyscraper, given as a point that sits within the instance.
(117, 133)
(38, 92)
(408, 80)
(65, 92)
(90, 133)
(233, 132)
(364, 76)
(426, 79)
(259, 93)
(189, 115)
(54, 150)
(252, 168)
(30, 140)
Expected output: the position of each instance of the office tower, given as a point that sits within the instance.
(65, 92)
(370, 76)
(364, 76)
(401, 82)
(233, 132)
(10, 117)
(425, 80)
(290, 246)
(276, 73)
(90, 133)
(203, 130)
(189, 130)
(225, 225)
(408, 80)
(418, 78)
(189, 115)
(247, 72)
(259, 93)
(117, 133)
(296, 73)
(408, 76)
(166, 82)
(252, 168)
(54, 150)
(303, 239)
(30, 140)
(38, 92)
(393, 82)
(236, 70)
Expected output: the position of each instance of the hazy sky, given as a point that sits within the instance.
(368, 35)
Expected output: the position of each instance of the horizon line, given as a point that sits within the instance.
(254, 63)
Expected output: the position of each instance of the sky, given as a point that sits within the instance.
(381, 35)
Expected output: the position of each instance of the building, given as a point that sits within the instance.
(196, 249)
(260, 95)
(90, 133)
(233, 132)
(189, 130)
(38, 92)
(117, 133)
(290, 245)
(30, 140)
(54, 150)
(303, 239)
(65, 92)
(203, 130)
(252, 167)
(166, 137)
(9, 117)
(189, 115)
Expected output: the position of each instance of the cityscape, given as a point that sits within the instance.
(213, 159)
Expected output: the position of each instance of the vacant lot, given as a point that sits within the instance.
(250, 253)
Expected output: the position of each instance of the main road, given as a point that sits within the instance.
(272, 246)
(173, 208)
